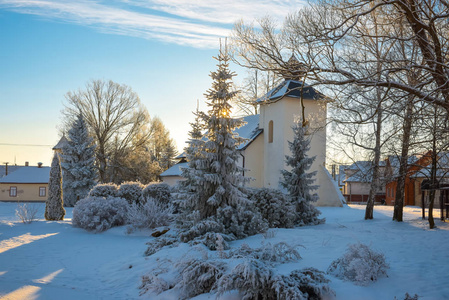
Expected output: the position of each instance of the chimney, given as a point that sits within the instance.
(27, 164)
(39, 165)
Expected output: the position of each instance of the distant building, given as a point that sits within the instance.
(27, 183)
(358, 182)
(268, 134)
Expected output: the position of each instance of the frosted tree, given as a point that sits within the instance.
(214, 177)
(78, 163)
(298, 182)
(54, 210)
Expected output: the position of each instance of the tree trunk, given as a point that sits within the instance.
(369, 212)
(400, 187)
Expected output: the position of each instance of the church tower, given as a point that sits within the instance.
(279, 108)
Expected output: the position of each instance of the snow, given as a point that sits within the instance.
(28, 175)
(53, 260)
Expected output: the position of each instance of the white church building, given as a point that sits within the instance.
(267, 134)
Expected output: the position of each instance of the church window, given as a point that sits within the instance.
(270, 131)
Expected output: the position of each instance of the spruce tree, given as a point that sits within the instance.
(78, 163)
(299, 182)
(217, 201)
(54, 210)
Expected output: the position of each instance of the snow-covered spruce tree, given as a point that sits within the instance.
(298, 182)
(54, 210)
(78, 163)
(216, 201)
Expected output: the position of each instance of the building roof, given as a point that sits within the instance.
(363, 171)
(174, 170)
(11, 168)
(62, 142)
(442, 168)
(291, 88)
(28, 175)
(249, 132)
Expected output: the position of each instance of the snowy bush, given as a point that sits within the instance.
(154, 283)
(151, 214)
(104, 190)
(99, 214)
(276, 208)
(213, 241)
(26, 212)
(198, 276)
(277, 253)
(359, 264)
(308, 283)
(158, 191)
(161, 242)
(251, 278)
(131, 191)
(255, 280)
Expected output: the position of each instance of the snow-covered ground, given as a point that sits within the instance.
(53, 260)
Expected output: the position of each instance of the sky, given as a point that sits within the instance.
(162, 49)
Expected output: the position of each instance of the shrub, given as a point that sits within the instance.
(104, 190)
(276, 208)
(131, 191)
(99, 214)
(199, 277)
(159, 243)
(255, 280)
(158, 191)
(359, 264)
(277, 253)
(26, 212)
(152, 214)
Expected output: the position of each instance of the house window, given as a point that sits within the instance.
(13, 191)
(270, 132)
(42, 191)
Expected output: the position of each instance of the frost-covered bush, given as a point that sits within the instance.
(252, 279)
(277, 253)
(308, 283)
(276, 208)
(131, 191)
(158, 191)
(359, 264)
(104, 190)
(213, 241)
(99, 214)
(230, 222)
(151, 214)
(154, 283)
(255, 280)
(198, 276)
(27, 213)
(161, 242)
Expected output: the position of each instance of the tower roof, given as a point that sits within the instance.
(291, 88)
(62, 142)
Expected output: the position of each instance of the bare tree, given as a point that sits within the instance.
(116, 119)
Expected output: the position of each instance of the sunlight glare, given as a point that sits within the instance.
(23, 239)
(28, 292)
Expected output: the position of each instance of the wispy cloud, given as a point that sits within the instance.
(194, 23)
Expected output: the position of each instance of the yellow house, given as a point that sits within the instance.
(25, 184)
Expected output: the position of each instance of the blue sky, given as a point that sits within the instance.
(162, 49)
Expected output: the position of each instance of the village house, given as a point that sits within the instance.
(358, 182)
(27, 183)
(268, 134)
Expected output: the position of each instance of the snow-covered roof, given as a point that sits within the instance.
(363, 171)
(174, 170)
(442, 168)
(291, 88)
(394, 161)
(249, 131)
(62, 142)
(10, 169)
(28, 175)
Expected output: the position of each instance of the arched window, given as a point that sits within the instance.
(270, 132)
